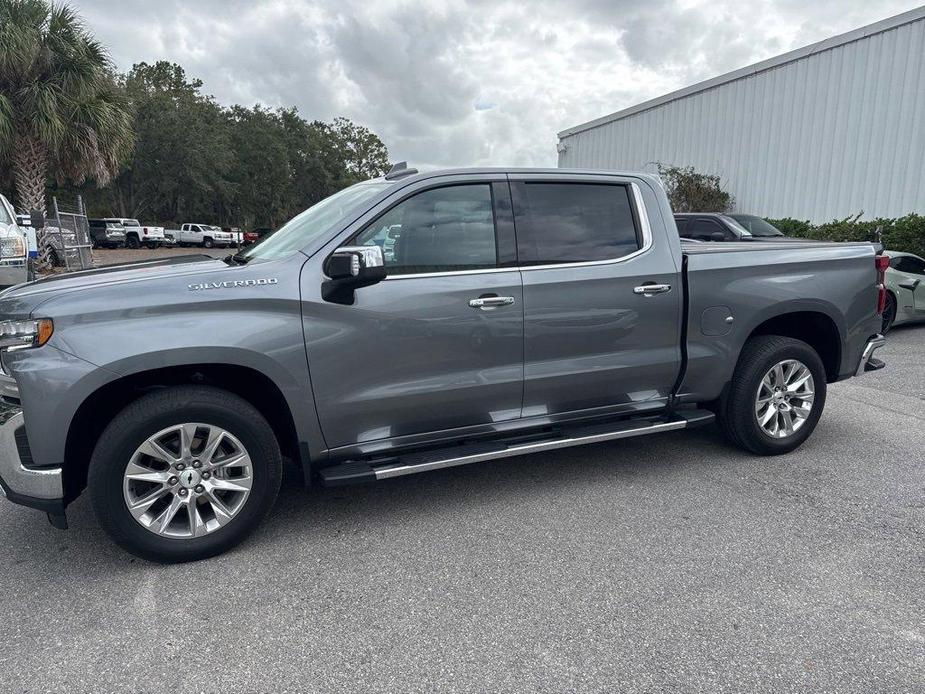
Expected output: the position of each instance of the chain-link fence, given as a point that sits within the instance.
(68, 235)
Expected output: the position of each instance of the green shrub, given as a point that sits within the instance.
(691, 191)
(906, 234)
(801, 229)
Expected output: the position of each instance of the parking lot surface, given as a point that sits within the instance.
(115, 256)
(666, 564)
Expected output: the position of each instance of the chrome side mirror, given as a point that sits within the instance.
(351, 268)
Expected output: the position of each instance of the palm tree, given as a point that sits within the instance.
(60, 107)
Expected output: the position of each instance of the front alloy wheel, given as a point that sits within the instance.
(184, 473)
(188, 480)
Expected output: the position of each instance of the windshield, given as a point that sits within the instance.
(756, 225)
(299, 231)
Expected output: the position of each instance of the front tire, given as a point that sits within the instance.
(138, 474)
(776, 396)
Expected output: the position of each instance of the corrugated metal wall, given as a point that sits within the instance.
(827, 136)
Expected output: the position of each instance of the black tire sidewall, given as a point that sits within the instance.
(889, 313)
(740, 409)
(136, 423)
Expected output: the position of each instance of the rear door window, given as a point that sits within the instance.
(559, 222)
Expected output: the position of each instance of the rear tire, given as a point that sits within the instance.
(132, 242)
(889, 313)
(756, 413)
(207, 243)
(216, 524)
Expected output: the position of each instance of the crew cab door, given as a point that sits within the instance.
(438, 344)
(602, 305)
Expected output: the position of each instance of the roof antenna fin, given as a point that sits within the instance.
(399, 170)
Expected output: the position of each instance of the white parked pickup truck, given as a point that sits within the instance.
(14, 265)
(137, 235)
(205, 235)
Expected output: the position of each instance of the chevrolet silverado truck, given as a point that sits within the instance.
(520, 311)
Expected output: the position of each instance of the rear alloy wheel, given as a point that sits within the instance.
(184, 473)
(132, 242)
(207, 242)
(889, 313)
(776, 395)
(785, 398)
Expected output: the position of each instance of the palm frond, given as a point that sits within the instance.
(57, 88)
(7, 126)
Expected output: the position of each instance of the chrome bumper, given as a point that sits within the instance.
(868, 363)
(20, 483)
(13, 272)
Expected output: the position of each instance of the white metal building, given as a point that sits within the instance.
(819, 133)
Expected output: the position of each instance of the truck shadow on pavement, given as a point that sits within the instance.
(318, 515)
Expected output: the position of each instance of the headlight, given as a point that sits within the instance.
(12, 247)
(20, 334)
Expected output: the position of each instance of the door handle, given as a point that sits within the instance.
(486, 303)
(651, 289)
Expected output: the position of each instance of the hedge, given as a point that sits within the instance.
(906, 234)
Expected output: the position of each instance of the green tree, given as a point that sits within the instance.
(260, 174)
(60, 108)
(691, 191)
(363, 153)
(181, 154)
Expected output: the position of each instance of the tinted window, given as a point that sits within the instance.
(703, 229)
(911, 265)
(438, 230)
(574, 222)
(681, 223)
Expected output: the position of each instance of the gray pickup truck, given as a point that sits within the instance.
(518, 311)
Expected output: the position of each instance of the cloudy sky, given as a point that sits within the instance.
(463, 82)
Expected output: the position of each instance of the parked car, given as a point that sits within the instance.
(237, 235)
(256, 235)
(172, 391)
(14, 254)
(137, 235)
(26, 224)
(170, 238)
(106, 233)
(905, 284)
(711, 226)
(205, 235)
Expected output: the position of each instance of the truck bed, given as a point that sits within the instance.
(832, 285)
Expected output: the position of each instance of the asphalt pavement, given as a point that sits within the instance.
(666, 564)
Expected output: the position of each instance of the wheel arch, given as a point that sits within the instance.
(814, 327)
(100, 406)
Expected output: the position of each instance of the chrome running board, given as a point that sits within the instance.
(363, 471)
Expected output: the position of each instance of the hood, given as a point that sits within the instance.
(22, 298)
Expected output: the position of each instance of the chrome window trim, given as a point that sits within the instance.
(645, 230)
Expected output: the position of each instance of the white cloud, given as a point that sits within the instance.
(463, 83)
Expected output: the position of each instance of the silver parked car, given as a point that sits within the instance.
(905, 285)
